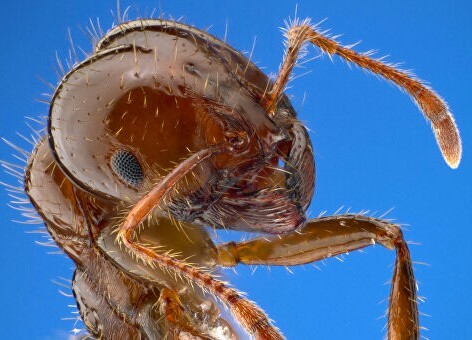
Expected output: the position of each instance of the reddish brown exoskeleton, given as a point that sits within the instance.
(164, 130)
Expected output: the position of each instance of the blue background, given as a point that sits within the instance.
(373, 151)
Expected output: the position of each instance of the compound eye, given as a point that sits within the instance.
(127, 167)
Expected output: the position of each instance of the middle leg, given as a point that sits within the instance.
(329, 236)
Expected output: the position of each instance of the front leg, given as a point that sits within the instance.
(329, 236)
(248, 314)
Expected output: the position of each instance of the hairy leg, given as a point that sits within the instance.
(329, 236)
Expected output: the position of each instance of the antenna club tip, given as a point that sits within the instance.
(449, 140)
(453, 160)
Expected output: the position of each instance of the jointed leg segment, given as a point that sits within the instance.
(176, 319)
(325, 237)
(251, 317)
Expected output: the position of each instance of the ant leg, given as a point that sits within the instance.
(328, 236)
(177, 321)
(433, 107)
(250, 316)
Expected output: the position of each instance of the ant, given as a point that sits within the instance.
(164, 130)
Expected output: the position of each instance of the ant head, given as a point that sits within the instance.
(152, 93)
